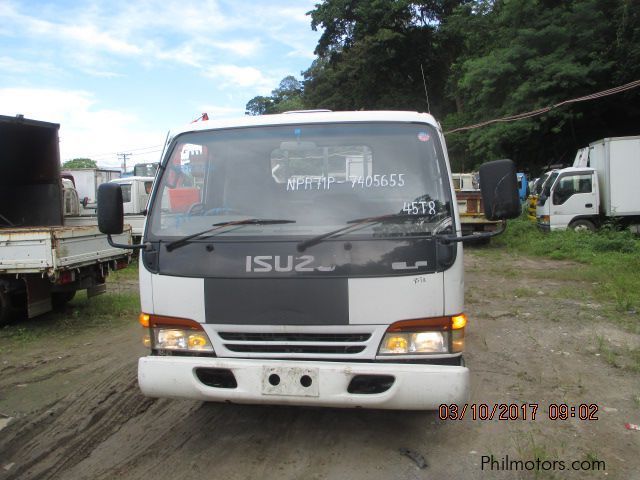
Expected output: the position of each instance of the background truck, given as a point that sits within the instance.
(273, 270)
(135, 196)
(523, 186)
(537, 188)
(86, 182)
(145, 169)
(43, 262)
(470, 205)
(605, 189)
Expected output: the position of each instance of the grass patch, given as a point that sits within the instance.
(522, 292)
(129, 273)
(625, 358)
(609, 258)
(81, 314)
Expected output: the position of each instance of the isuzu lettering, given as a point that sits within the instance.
(307, 258)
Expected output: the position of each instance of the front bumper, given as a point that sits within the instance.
(416, 387)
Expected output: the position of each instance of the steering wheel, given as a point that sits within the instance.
(196, 209)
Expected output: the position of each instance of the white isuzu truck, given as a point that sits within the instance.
(602, 186)
(307, 258)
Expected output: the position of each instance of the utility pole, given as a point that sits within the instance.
(123, 157)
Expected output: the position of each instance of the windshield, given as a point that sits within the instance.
(546, 188)
(312, 177)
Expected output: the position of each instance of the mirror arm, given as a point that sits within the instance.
(446, 239)
(138, 246)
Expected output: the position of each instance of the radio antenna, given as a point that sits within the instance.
(426, 94)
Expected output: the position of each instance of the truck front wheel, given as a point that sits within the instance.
(583, 226)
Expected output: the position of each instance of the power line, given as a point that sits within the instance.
(540, 111)
(128, 150)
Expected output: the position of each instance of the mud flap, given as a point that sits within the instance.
(38, 296)
(96, 290)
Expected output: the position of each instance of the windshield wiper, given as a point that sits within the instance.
(218, 226)
(356, 224)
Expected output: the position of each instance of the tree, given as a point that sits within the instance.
(288, 96)
(80, 163)
(370, 55)
(522, 55)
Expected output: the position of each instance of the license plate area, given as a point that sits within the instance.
(291, 381)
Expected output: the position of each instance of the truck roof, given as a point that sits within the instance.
(19, 119)
(613, 139)
(574, 169)
(306, 116)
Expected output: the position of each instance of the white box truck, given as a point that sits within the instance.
(274, 271)
(87, 181)
(43, 262)
(604, 189)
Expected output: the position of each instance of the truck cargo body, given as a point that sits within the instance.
(46, 250)
(470, 205)
(617, 162)
(135, 222)
(87, 181)
(43, 262)
(603, 190)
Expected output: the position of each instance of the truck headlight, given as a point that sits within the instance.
(180, 339)
(416, 342)
(175, 334)
(425, 336)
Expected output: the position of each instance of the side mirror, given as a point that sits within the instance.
(110, 209)
(499, 186)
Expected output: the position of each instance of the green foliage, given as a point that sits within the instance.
(536, 54)
(80, 163)
(128, 273)
(370, 53)
(288, 96)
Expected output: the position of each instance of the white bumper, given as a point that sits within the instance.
(416, 387)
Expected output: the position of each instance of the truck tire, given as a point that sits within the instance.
(5, 308)
(60, 299)
(583, 226)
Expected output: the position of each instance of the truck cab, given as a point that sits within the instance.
(570, 199)
(135, 193)
(307, 258)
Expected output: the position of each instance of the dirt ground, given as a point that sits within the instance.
(534, 338)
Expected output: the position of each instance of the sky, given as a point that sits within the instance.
(118, 74)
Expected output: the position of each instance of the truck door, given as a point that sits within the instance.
(573, 195)
(143, 189)
(127, 196)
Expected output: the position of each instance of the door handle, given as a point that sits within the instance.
(588, 205)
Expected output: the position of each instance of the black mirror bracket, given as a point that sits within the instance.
(446, 239)
(139, 246)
